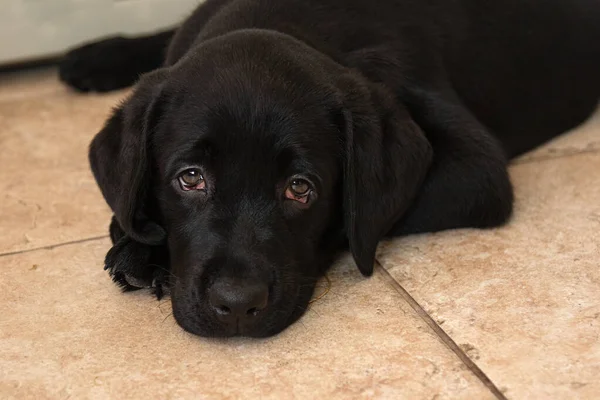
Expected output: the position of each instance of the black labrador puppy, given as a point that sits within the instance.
(277, 132)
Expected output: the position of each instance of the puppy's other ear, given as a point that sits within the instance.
(387, 158)
(119, 159)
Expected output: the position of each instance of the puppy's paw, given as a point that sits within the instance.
(134, 266)
(102, 66)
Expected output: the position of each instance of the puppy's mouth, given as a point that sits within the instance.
(197, 314)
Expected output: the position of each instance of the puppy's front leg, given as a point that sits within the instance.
(133, 265)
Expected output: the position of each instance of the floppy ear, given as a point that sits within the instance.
(119, 159)
(387, 158)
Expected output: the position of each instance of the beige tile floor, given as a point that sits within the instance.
(519, 305)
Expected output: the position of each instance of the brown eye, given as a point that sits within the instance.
(192, 179)
(299, 189)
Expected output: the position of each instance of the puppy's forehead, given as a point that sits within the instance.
(257, 114)
(261, 135)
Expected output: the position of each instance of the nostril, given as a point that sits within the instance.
(252, 312)
(223, 310)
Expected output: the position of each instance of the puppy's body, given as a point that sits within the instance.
(527, 70)
(400, 114)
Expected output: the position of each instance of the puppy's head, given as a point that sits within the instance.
(254, 159)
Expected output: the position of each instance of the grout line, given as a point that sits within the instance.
(550, 157)
(53, 246)
(445, 338)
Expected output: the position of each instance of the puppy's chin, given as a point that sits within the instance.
(193, 314)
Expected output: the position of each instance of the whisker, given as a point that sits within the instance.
(161, 303)
(303, 309)
(303, 324)
(324, 293)
(315, 311)
(163, 321)
(162, 268)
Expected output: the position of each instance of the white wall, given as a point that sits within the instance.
(31, 29)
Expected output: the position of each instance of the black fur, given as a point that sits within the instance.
(113, 63)
(402, 114)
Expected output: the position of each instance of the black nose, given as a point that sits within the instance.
(233, 302)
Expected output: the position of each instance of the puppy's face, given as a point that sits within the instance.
(247, 178)
(253, 159)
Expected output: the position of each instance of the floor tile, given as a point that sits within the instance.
(47, 192)
(584, 138)
(524, 300)
(29, 83)
(67, 331)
